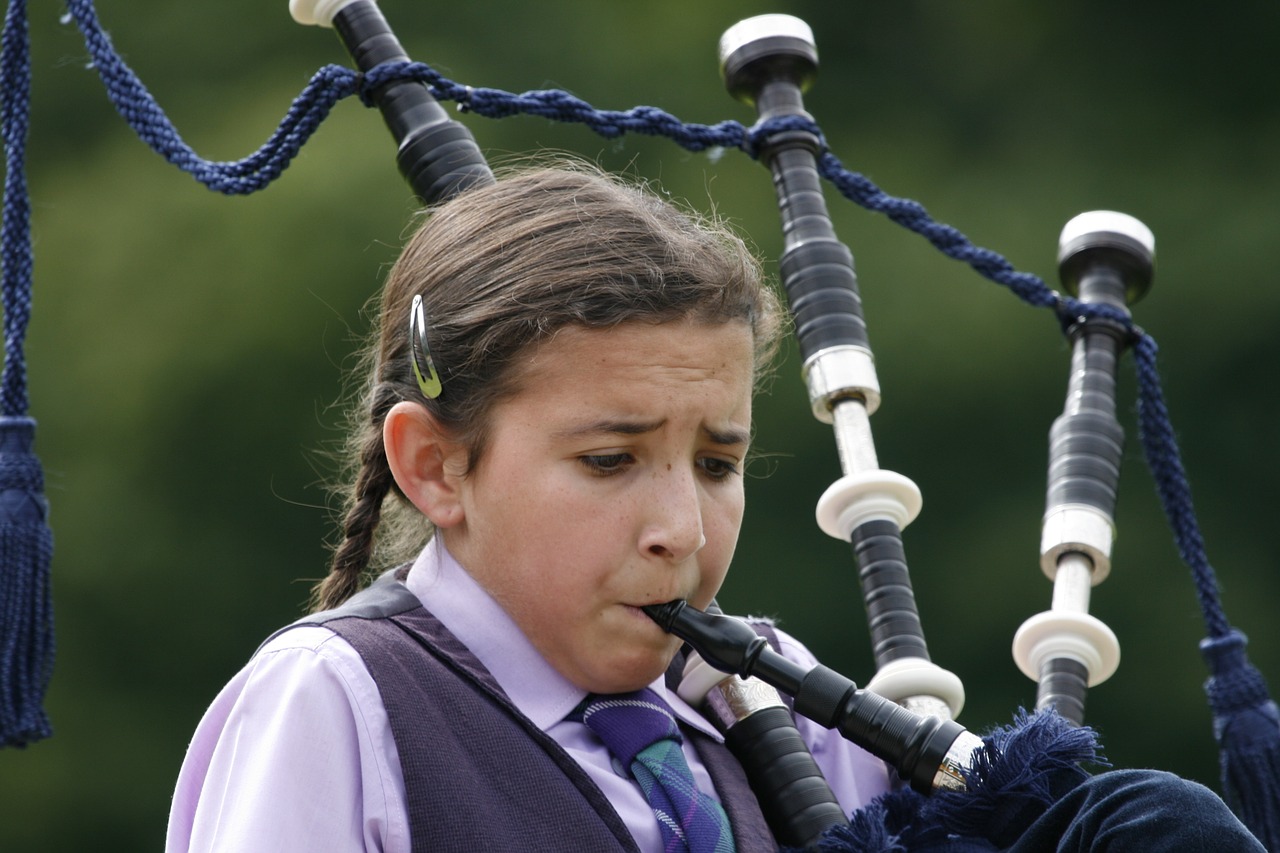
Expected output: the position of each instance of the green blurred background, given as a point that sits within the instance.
(187, 349)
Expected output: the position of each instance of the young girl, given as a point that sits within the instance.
(560, 396)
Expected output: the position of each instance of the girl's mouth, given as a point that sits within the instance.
(642, 611)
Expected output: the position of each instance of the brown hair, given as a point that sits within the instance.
(502, 268)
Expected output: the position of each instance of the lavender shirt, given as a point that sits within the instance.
(296, 752)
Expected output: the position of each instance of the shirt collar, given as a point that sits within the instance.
(473, 616)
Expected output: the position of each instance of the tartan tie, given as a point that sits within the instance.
(640, 730)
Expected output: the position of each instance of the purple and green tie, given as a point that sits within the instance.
(640, 730)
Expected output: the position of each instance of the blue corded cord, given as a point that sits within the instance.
(1237, 691)
(15, 104)
(333, 83)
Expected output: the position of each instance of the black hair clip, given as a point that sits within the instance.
(424, 369)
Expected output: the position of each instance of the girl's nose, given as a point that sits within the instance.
(673, 528)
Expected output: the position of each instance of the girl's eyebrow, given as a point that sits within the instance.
(726, 437)
(608, 426)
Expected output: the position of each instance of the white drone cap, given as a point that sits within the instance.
(317, 12)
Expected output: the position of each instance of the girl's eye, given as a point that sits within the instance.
(607, 463)
(718, 469)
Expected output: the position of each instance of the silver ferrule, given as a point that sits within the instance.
(838, 373)
(734, 699)
(959, 757)
(927, 706)
(852, 424)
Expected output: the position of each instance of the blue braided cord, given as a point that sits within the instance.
(15, 99)
(139, 108)
(1165, 462)
(946, 239)
(1155, 429)
(332, 83)
(559, 105)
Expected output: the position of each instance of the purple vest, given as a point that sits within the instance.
(478, 774)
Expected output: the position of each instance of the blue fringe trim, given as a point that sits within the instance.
(1246, 724)
(26, 609)
(1022, 769)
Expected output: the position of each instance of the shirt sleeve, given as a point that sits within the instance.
(856, 777)
(295, 753)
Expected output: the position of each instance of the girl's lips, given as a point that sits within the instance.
(638, 611)
(656, 602)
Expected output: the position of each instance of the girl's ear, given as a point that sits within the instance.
(424, 462)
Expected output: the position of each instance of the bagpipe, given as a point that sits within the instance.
(906, 714)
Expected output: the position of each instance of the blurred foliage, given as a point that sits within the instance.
(187, 350)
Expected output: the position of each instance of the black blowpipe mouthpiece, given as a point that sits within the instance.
(926, 751)
(725, 643)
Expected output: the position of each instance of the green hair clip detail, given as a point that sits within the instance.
(424, 369)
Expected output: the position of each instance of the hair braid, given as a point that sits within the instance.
(352, 556)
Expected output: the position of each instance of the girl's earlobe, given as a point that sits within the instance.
(419, 454)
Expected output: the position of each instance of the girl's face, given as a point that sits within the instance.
(611, 480)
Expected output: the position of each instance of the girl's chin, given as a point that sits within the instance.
(622, 674)
(619, 683)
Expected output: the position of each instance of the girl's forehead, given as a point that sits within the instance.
(639, 366)
(683, 348)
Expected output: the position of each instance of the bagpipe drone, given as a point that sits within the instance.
(906, 713)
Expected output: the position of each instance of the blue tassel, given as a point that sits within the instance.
(1023, 769)
(1246, 724)
(26, 546)
(26, 549)
(888, 824)
(868, 832)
